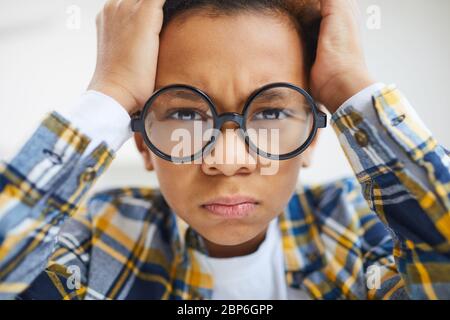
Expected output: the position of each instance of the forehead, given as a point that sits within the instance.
(230, 56)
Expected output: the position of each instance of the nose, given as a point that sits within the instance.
(229, 155)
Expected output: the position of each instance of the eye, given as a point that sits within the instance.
(185, 115)
(271, 114)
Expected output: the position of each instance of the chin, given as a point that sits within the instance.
(230, 236)
(230, 242)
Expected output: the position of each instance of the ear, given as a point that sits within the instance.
(144, 151)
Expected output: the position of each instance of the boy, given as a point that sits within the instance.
(223, 229)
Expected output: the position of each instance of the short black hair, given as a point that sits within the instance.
(304, 14)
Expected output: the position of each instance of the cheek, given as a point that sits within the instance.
(282, 173)
(283, 184)
(183, 185)
(179, 185)
(173, 179)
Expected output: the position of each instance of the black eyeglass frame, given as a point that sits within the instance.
(319, 121)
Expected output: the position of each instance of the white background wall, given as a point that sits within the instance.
(44, 65)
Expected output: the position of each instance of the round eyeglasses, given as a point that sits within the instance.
(180, 123)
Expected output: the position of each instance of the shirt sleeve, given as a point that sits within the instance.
(40, 189)
(362, 103)
(405, 178)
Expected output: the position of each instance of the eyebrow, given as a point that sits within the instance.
(183, 94)
(274, 94)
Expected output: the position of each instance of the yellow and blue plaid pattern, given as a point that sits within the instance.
(384, 235)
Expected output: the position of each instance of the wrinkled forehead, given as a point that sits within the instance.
(231, 56)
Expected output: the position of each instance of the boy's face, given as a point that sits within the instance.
(228, 57)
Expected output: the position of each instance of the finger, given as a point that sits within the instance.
(151, 12)
(127, 3)
(355, 9)
(329, 7)
(113, 6)
(152, 4)
(110, 5)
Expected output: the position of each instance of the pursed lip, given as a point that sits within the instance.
(231, 200)
(236, 206)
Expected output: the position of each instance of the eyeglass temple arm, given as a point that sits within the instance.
(321, 119)
(136, 123)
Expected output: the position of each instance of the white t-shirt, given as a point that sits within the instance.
(259, 275)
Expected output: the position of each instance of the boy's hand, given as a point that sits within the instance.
(128, 46)
(339, 71)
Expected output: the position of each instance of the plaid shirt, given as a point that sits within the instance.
(383, 235)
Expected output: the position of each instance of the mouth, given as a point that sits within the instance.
(231, 207)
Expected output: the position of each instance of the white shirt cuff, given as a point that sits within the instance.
(101, 118)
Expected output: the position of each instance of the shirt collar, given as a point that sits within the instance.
(302, 246)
